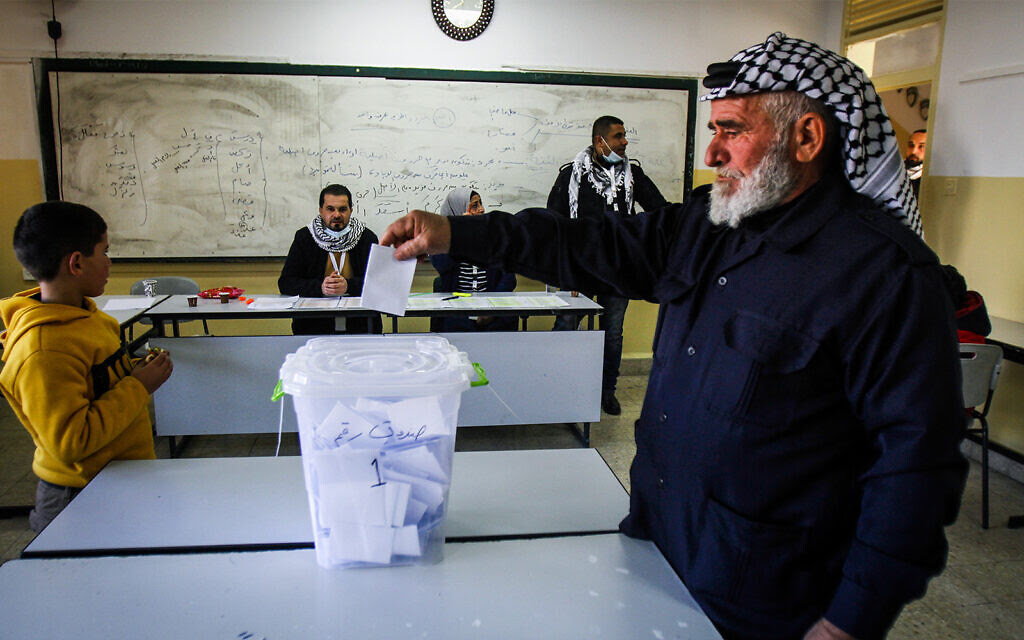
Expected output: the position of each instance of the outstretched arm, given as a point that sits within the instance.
(418, 234)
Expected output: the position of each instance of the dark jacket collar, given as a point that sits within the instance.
(790, 224)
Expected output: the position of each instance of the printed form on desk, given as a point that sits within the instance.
(269, 304)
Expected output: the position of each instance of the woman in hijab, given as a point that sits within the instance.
(468, 278)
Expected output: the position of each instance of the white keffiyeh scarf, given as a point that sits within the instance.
(583, 165)
(873, 165)
(329, 243)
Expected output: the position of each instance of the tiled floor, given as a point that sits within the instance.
(980, 595)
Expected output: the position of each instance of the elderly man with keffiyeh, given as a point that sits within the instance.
(797, 453)
(601, 181)
(328, 258)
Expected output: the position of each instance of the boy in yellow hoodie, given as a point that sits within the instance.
(65, 373)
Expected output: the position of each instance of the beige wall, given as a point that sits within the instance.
(979, 229)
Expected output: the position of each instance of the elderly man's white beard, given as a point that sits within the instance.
(767, 186)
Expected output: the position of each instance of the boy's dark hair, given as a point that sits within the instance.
(336, 190)
(49, 231)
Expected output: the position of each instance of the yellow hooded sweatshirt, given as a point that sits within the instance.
(67, 379)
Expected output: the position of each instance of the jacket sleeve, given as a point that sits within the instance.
(908, 394)
(507, 282)
(295, 280)
(647, 193)
(601, 254)
(55, 399)
(558, 199)
(360, 259)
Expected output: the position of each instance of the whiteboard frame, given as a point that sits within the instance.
(48, 144)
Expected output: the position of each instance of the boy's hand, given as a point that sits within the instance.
(154, 372)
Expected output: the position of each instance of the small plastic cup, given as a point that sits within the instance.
(149, 288)
(225, 297)
(193, 301)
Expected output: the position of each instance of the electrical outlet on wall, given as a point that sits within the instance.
(949, 187)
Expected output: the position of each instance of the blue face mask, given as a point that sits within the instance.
(612, 157)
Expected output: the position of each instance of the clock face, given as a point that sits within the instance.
(462, 19)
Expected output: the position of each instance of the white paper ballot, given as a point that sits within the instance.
(341, 426)
(360, 543)
(270, 304)
(351, 503)
(418, 462)
(421, 416)
(407, 542)
(387, 282)
(346, 464)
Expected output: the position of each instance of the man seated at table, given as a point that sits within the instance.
(328, 258)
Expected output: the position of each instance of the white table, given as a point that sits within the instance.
(147, 506)
(222, 385)
(1010, 336)
(479, 304)
(175, 308)
(607, 586)
(128, 317)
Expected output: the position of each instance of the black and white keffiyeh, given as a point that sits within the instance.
(583, 165)
(331, 244)
(871, 154)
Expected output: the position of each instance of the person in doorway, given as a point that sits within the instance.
(602, 181)
(328, 258)
(798, 449)
(914, 162)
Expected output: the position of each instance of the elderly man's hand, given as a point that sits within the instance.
(417, 234)
(825, 630)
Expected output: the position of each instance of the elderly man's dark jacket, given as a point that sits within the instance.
(303, 275)
(797, 451)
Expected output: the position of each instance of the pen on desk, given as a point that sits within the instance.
(449, 298)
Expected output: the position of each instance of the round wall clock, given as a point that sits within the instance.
(462, 19)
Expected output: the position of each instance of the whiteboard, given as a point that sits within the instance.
(229, 165)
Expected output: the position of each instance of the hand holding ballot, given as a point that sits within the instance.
(418, 234)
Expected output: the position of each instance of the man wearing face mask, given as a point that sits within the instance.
(602, 181)
(328, 258)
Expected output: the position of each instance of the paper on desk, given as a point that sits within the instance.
(318, 303)
(122, 304)
(387, 282)
(268, 304)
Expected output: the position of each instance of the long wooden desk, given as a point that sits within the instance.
(175, 308)
(162, 506)
(222, 385)
(607, 586)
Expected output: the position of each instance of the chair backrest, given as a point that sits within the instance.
(980, 364)
(167, 285)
